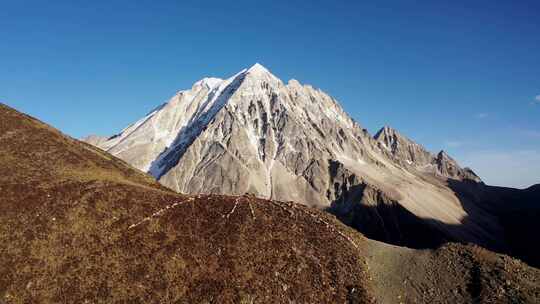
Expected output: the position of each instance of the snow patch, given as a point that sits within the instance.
(210, 82)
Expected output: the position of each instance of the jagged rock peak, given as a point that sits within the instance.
(259, 73)
(448, 167)
(385, 131)
(393, 138)
(444, 155)
(407, 152)
(402, 148)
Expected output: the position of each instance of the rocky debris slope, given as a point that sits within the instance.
(450, 274)
(80, 226)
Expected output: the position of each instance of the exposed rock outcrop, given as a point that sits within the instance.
(410, 154)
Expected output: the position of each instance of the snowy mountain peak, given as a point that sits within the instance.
(258, 68)
(209, 82)
(259, 73)
(250, 133)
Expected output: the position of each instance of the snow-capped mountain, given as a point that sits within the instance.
(253, 133)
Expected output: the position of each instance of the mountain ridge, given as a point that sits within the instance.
(410, 153)
(252, 133)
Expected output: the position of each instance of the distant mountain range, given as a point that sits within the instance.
(253, 133)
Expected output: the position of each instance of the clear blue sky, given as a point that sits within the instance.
(455, 75)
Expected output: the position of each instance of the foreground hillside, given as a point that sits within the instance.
(80, 226)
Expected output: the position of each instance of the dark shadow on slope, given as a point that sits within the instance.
(386, 220)
(378, 217)
(517, 211)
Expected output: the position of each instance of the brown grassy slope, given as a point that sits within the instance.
(33, 152)
(78, 225)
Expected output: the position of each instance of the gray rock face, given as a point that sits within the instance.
(252, 133)
(402, 149)
(448, 167)
(410, 154)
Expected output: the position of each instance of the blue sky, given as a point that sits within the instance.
(456, 75)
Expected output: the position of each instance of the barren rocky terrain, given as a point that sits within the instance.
(80, 226)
